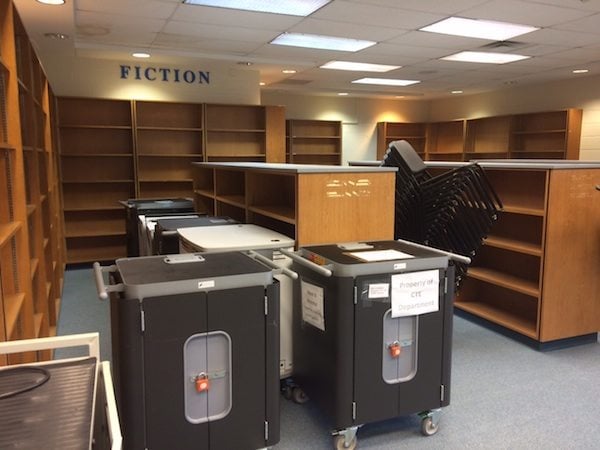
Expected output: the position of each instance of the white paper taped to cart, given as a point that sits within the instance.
(380, 255)
(312, 305)
(415, 293)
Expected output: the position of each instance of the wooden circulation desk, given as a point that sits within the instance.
(538, 272)
(314, 204)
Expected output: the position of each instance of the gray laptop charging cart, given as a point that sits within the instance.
(372, 332)
(195, 350)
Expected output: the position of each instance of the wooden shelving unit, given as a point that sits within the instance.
(537, 273)
(31, 240)
(312, 204)
(97, 170)
(314, 141)
(414, 133)
(539, 135)
(114, 150)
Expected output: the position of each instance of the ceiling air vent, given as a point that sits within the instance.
(292, 82)
(504, 46)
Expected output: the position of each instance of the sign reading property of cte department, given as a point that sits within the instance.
(164, 74)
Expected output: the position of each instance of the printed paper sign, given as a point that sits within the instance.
(415, 293)
(312, 305)
(379, 290)
(380, 255)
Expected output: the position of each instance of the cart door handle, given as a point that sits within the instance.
(454, 256)
(101, 287)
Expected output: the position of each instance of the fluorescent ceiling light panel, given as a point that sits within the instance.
(485, 57)
(386, 81)
(483, 29)
(289, 7)
(357, 66)
(321, 42)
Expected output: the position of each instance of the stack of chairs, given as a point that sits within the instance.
(453, 211)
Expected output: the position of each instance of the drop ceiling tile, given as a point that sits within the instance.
(579, 54)
(525, 13)
(549, 36)
(298, 54)
(226, 16)
(542, 50)
(117, 22)
(384, 51)
(432, 6)
(590, 24)
(137, 8)
(440, 41)
(118, 37)
(584, 5)
(217, 32)
(378, 16)
(174, 41)
(349, 30)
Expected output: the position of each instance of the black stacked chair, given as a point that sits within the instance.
(453, 211)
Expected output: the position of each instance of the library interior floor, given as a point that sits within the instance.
(505, 395)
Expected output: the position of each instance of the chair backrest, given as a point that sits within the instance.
(409, 155)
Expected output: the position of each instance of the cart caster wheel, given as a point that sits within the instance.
(287, 392)
(339, 443)
(298, 395)
(428, 428)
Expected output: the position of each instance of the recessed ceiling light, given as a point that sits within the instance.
(57, 36)
(321, 42)
(140, 55)
(386, 81)
(262, 83)
(476, 28)
(456, 92)
(342, 93)
(288, 7)
(288, 71)
(244, 63)
(399, 96)
(581, 71)
(485, 57)
(52, 2)
(357, 66)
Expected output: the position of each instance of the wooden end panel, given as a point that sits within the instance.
(343, 207)
(571, 281)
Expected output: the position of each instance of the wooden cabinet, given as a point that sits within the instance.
(97, 170)
(113, 150)
(31, 256)
(540, 135)
(314, 141)
(312, 204)
(537, 273)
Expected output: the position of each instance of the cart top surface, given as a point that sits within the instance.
(165, 268)
(234, 237)
(188, 222)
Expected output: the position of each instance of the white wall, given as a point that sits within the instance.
(583, 93)
(359, 117)
(102, 78)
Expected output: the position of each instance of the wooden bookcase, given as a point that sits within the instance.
(312, 204)
(31, 240)
(414, 133)
(114, 150)
(314, 141)
(97, 170)
(168, 138)
(537, 273)
(539, 135)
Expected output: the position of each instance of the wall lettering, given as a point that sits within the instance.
(164, 74)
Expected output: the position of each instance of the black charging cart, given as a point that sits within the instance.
(195, 350)
(373, 332)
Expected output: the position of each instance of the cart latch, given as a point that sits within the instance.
(395, 349)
